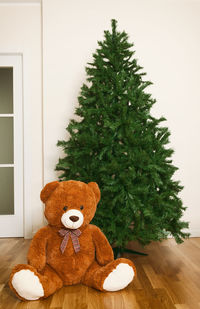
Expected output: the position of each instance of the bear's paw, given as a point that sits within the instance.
(27, 285)
(119, 278)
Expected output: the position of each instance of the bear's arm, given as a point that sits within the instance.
(37, 251)
(104, 252)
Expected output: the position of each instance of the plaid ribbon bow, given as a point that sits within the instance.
(74, 237)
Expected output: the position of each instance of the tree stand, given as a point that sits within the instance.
(118, 252)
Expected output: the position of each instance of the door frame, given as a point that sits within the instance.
(15, 221)
(24, 155)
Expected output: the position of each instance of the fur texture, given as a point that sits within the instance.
(91, 265)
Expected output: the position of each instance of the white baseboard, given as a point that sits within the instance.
(194, 232)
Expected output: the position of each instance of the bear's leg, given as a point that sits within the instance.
(114, 276)
(28, 284)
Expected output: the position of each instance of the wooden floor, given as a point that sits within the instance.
(169, 277)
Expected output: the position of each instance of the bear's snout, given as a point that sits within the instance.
(74, 218)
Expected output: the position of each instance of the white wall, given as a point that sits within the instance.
(20, 32)
(166, 37)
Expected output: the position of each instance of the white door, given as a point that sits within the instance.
(11, 146)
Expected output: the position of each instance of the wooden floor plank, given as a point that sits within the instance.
(168, 278)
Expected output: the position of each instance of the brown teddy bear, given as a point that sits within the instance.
(69, 250)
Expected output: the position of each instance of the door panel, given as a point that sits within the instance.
(6, 90)
(7, 191)
(6, 140)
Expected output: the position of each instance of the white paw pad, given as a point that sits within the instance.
(27, 284)
(119, 278)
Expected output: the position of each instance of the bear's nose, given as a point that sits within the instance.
(74, 218)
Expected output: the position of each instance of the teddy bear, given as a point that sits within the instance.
(69, 250)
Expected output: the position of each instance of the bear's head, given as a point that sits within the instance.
(71, 203)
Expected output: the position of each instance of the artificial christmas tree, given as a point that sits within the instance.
(121, 146)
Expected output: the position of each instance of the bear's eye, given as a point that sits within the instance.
(65, 208)
(81, 207)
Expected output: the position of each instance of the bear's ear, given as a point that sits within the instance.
(95, 188)
(47, 190)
